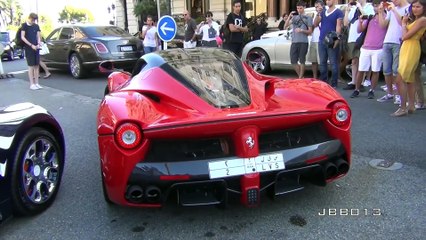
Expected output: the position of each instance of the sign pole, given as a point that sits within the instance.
(158, 18)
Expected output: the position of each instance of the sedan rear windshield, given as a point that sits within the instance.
(101, 31)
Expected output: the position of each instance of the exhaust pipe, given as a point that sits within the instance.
(135, 193)
(153, 194)
(342, 166)
(330, 170)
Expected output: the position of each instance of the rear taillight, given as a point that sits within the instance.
(101, 48)
(128, 135)
(340, 114)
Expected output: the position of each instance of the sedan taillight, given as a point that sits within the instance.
(101, 48)
(340, 114)
(128, 135)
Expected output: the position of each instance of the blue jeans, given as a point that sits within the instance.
(390, 58)
(149, 49)
(328, 55)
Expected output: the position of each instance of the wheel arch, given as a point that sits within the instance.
(43, 121)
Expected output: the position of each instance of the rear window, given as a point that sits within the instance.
(216, 76)
(100, 31)
(4, 37)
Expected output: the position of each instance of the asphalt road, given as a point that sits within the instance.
(80, 212)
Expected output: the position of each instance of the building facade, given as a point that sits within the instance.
(220, 9)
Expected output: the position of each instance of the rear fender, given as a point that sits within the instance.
(117, 79)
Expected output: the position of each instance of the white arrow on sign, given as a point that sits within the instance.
(163, 28)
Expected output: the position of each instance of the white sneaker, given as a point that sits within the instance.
(366, 83)
(38, 86)
(397, 100)
(33, 87)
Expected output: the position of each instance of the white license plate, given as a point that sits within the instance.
(241, 166)
(126, 48)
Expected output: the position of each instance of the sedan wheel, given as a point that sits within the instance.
(37, 172)
(258, 60)
(11, 55)
(76, 66)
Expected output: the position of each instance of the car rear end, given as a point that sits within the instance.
(113, 44)
(201, 135)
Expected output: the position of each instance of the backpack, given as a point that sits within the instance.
(18, 40)
(226, 31)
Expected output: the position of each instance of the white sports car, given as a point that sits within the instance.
(272, 51)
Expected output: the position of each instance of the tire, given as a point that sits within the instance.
(258, 59)
(106, 91)
(11, 55)
(22, 54)
(36, 172)
(76, 66)
(104, 191)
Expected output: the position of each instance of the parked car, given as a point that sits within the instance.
(32, 158)
(272, 51)
(80, 48)
(11, 50)
(200, 126)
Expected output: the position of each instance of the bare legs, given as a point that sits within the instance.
(45, 69)
(300, 70)
(315, 69)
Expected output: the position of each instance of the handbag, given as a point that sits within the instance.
(44, 50)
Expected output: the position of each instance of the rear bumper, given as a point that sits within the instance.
(126, 63)
(153, 184)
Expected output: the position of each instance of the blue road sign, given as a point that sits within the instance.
(166, 28)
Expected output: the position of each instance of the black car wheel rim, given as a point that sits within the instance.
(40, 170)
(75, 65)
(257, 61)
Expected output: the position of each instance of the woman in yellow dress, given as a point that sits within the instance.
(413, 27)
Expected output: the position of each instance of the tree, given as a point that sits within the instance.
(71, 15)
(10, 12)
(149, 7)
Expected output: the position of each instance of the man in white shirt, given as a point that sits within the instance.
(354, 10)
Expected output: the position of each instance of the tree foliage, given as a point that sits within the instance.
(71, 15)
(149, 7)
(11, 12)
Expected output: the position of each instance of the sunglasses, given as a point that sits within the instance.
(208, 15)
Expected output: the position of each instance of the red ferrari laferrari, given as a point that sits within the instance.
(200, 127)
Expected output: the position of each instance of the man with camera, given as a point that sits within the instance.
(353, 11)
(371, 50)
(302, 27)
(328, 46)
(392, 42)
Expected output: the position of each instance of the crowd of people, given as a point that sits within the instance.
(381, 36)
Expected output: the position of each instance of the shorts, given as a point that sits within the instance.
(353, 52)
(390, 58)
(298, 52)
(370, 58)
(313, 55)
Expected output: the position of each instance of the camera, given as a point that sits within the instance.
(385, 4)
(295, 13)
(353, 3)
(365, 16)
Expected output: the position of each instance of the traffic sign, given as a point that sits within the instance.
(167, 28)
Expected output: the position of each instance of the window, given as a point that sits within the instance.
(254, 7)
(66, 33)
